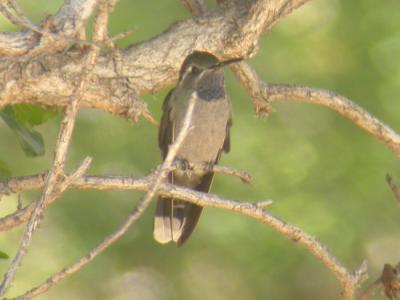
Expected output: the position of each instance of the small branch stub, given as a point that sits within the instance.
(389, 280)
(394, 188)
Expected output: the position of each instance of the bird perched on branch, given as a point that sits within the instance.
(201, 76)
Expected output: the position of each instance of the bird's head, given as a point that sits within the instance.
(200, 63)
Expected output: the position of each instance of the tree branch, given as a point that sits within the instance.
(370, 290)
(146, 67)
(394, 188)
(70, 19)
(20, 184)
(253, 210)
(389, 280)
(340, 104)
(195, 7)
(250, 80)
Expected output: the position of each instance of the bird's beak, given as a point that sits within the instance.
(225, 63)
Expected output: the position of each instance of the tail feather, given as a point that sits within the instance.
(167, 221)
(175, 220)
(192, 215)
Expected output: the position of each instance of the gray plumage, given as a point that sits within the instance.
(201, 76)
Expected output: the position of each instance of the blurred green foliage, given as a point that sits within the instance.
(30, 140)
(4, 170)
(32, 115)
(324, 174)
(3, 255)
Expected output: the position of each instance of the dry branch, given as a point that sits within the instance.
(146, 67)
(370, 290)
(389, 280)
(394, 188)
(250, 80)
(253, 210)
(195, 7)
(242, 175)
(70, 19)
(20, 184)
(342, 105)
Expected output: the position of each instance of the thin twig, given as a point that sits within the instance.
(370, 290)
(21, 20)
(394, 188)
(20, 184)
(14, 5)
(54, 186)
(264, 203)
(133, 216)
(195, 7)
(121, 36)
(250, 80)
(389, 280)
(36, 210)
(117, 62)
(338, 103)
(118, 67)
(9, 15)
(242, 175)
(19, 202)
(53, 180)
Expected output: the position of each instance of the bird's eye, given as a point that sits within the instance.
(195, 70)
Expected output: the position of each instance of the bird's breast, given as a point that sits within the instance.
(209, 127)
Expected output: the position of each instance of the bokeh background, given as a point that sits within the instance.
(323, 173)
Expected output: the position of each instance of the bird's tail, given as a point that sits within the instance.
(175, 220)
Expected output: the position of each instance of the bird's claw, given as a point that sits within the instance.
(183, 165)
(208, 166)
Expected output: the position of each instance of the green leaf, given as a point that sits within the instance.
(3, 255)
(32, 115)
(30, 140)
(4, 170)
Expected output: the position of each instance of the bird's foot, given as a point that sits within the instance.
(208, 166)
(182, 165)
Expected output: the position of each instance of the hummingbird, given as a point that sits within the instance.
(201, 76)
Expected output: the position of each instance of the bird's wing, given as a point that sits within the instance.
(165, 224)
(192, 211)
(166, 131)
(227, 143)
